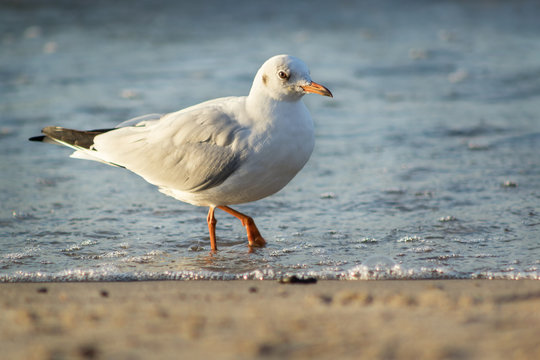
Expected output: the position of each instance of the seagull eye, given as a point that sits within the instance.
(283, 75)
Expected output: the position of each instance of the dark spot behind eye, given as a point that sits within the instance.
(264, 79)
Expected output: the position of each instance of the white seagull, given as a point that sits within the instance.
(221, 152)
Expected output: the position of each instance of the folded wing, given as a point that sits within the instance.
(190, 150)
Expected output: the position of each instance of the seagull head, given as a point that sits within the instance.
(285, 78)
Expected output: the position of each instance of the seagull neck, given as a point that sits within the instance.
(259, 107)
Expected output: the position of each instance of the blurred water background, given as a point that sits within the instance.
(426, 165)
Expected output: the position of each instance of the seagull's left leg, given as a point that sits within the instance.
(253, 234)
(211, 220)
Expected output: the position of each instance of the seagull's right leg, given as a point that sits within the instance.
(211, 220)
(253, 234)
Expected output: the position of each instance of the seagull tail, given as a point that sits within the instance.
(80, 141)
(76, 139)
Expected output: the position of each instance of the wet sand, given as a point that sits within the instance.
(450, 319)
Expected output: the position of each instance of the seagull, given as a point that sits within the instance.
(221, 152)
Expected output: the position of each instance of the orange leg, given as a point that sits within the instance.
(253, 234)
(211, 220)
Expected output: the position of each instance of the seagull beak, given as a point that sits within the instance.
(317, 89)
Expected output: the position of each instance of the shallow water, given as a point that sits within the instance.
(426, 162)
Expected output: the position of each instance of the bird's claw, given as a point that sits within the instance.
(257, 242)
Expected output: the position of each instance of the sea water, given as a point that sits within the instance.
(426, 165)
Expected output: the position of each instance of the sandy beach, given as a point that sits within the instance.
(451, 319)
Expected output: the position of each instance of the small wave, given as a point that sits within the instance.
(79, 246)
(422, 249)
(368, 240)
(358, 272)
(448, 218)
(409, 239)
(144, 259)
(18, 256)
(21, 215)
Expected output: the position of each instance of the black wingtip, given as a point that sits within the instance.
(37, 138)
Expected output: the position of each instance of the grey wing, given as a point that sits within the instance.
(187, 151)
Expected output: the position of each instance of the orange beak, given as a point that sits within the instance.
(317, 89)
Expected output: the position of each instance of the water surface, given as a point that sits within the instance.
(426, 162)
